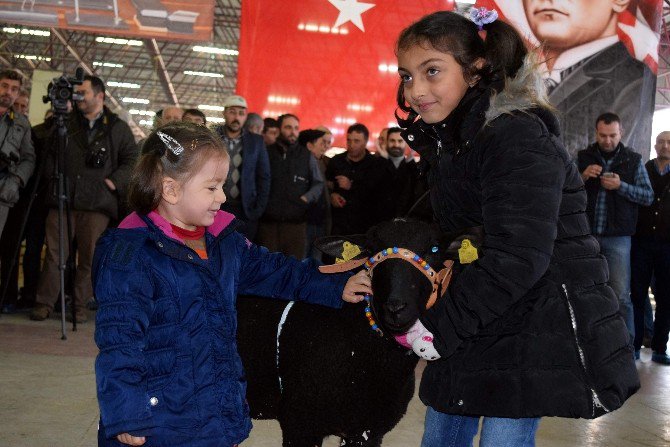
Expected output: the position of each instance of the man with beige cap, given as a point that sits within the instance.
(248, 185)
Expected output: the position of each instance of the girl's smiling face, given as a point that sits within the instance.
(433, 82)
(195, 202)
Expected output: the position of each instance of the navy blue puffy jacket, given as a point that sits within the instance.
(168, 366)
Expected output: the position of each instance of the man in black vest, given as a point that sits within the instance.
(616, 185)
(296, 183)
(650, 254)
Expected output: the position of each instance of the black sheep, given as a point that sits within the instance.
(339, 377)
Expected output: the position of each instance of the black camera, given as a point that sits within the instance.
(61, 91)
(97, 157)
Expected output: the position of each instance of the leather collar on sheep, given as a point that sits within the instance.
(439, 280)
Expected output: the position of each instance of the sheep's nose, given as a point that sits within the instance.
(395, 306)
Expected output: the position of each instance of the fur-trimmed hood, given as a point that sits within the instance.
(523, 92)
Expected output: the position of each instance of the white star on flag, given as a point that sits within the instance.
(350, 11)
(645, 40)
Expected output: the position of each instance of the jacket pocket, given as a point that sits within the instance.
(91, 193)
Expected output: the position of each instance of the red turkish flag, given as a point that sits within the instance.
(330, 62)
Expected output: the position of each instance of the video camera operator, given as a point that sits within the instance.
(17, 155)
(99, 158)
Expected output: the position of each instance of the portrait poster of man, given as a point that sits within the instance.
(598, 56)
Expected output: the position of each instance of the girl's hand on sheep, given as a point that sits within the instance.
(357, 287)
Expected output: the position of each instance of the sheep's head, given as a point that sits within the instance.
(401, 290)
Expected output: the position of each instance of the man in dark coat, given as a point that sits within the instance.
(400, 177)
(650, 255)
(355, 181)
(99, 159)
(296, 184)
(248, 184)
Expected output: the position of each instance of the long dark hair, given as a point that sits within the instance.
(503, 50)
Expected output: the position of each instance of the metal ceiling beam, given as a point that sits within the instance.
(131, 122)
(163, 75)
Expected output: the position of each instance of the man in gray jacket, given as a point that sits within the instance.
(17, 155)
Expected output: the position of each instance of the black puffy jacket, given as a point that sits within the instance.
(531, 328)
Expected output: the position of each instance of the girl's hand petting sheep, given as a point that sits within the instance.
(356, 288)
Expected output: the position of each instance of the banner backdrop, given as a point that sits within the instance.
(157, 19)
(600, 56)
(330, 62)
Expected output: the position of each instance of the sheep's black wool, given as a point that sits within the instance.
(338, 376)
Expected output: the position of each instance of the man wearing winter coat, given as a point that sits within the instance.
(248, 185)
(99, 159)
(17, 156)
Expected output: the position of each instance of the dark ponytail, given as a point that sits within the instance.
(502, 48)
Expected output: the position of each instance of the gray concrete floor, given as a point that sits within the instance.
(47, 399)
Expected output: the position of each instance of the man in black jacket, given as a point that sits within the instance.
(99, 160)
(400, 178)
(355, 181)
(616, 185)
(650, 254)
(296, 183)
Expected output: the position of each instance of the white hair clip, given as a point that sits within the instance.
(170, 143)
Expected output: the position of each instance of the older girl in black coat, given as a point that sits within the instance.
(529, 327)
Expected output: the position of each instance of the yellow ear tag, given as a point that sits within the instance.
(467, 253)
(349, 251)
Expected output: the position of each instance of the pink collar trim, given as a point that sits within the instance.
(133, 220)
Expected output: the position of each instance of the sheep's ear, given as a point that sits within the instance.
(453, 241)
(343, 247)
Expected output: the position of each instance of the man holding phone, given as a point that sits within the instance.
(616, 183)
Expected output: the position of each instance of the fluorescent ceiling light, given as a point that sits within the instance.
(360, 107)
(122, 84)
(388, 68)
(32, 57)
(142, 112)
(27, 31)
(215, 119)
(324, 29)
(117, 41)
(276, 99)
(147, 123)
(214, 50)
(135, 100)
(203, 73)
(107, 64)
(210, 107)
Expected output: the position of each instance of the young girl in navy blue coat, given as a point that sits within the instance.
(168, 372)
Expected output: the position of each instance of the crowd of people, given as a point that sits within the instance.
(280, 185)
(490, 157)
